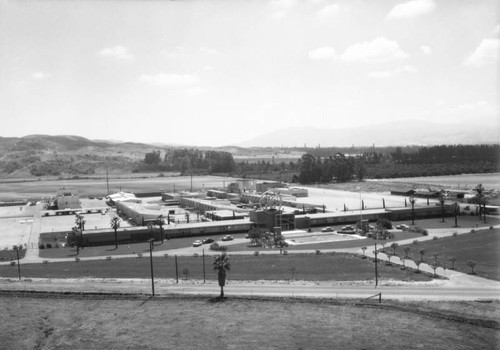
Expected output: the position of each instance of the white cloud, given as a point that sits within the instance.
(322, 53)
(480, 106)
(486, 52)
(40, 75)
(411, 9)
(117, 52)
(177, 52)
(208, 51)
(391, 73)
(281, 8)
(379, 50)
(170, 80)
(196, 90)
(426, 50)
(328, 12)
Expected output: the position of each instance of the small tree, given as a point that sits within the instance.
(435, 266)
(364, 249)
(453, 259)
(394, 246)
(472, 264)
(422, 252)
(404, 262)
(185, 272)
(221, 264)
(418, 263)
(407, 251)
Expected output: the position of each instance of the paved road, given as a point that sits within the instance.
(399, 291)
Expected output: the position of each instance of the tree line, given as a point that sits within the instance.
(187, 161)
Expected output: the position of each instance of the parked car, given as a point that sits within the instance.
(227, 238)
(197, 243)
(402, 227)
(207, 241)
(327, 229)
(348, 227)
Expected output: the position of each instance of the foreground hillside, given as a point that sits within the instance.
(102, 322)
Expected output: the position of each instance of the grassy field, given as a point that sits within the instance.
(482, 246)
(198, 323)
(311, 267)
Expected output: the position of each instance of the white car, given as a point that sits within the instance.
(227, 238)
(327, 229)
(197, 243)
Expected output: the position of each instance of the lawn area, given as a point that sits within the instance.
(198, 323)
(482, 246)
(311, 267)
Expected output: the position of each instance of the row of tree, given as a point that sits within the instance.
(191, 160)
(338, 168)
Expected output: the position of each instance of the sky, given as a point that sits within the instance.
(219, 72)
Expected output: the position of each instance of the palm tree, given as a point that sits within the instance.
(456, 211)
(115, 224)
(412, 201)
(472, 264)
(479, 189)
(442, 200)
(453, 259)
(160, 222)
(221, 264)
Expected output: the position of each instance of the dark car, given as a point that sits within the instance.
(208, 240)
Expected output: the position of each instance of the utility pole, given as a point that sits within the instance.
(107, 180)
(376, 267)
(151, 260)
(176, 270)
(18, 264)
(203, 265)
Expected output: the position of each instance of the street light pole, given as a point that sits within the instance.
(18, 264)
(151, 260)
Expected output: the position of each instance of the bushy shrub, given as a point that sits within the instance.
(45, 261)
(48, 246)
(384, 223)
(435, 238)
(318, 252)
(139, 255)
(108, 258)
(285, 252)
(491, 227)
(12, 263)
(455, 234)
(56, 245)
(472, 231)
(165, 255)
(41, 246)
(196, 255)
(77, 259)
(425, 232)
(218, 247)
(255, 253)
(415, 242)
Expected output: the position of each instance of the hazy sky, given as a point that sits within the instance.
(222, 71)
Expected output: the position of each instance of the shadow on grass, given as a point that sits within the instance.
(218, 299)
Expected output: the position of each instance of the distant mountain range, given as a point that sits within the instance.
(398, 133)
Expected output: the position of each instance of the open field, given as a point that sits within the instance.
(464, 181)
(482, 246)
(194, 323)
(47, 188)
(310, 267)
